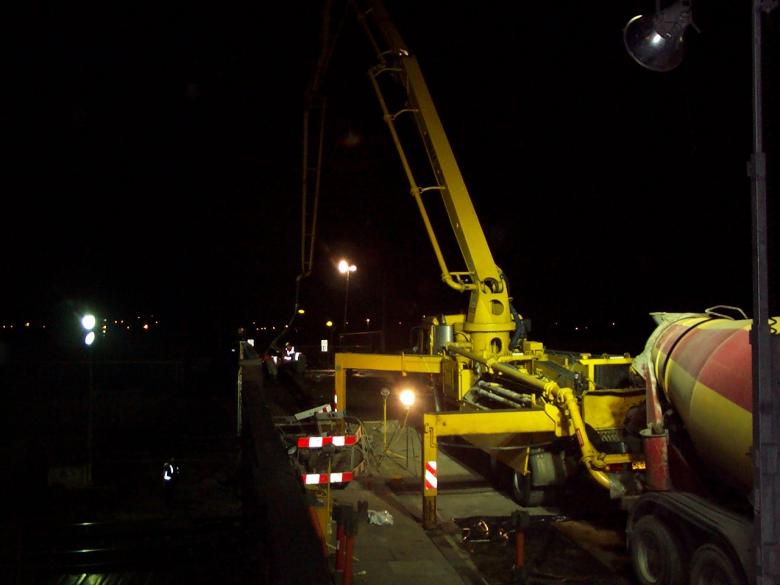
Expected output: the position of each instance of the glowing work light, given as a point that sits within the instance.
(407, 397)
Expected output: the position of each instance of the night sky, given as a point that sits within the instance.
(152, 162)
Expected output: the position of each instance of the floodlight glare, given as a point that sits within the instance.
(89, 338)
(88, 322)
(407, 397)
(345, 267)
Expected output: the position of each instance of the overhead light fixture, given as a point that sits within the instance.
(657, 42)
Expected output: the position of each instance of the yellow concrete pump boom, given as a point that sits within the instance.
(489, 320)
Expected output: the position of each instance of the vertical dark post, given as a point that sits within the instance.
(339, 513)
(766, 402)
(346, 299)
(521, 521)
(383, 343)
(90, 417)
(350, 528)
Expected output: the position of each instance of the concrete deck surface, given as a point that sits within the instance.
(404, 553)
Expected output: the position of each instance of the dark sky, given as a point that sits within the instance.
(152, 160)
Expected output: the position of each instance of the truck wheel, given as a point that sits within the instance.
(655, 553)
(523, 491)
(712, 566)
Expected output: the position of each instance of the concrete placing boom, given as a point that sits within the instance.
(489, 319)
(668, 434)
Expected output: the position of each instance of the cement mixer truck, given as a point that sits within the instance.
(692, 523)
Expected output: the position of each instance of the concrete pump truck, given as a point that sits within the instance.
(667, 433)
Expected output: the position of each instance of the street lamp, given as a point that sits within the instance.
(639, 39)
(88, 322)
(346, 268)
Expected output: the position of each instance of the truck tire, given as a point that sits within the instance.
(655, 553)
(712, 566)
(523, 491)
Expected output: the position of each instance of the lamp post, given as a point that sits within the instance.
(661, 50)
(88, 322)
(346, 268)
(385, 392)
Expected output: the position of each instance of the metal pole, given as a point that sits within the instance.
(384, 426)
(766, 402)
(90, 417)
(240, 387)
(346, 298)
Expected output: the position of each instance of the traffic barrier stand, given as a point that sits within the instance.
(324, 441)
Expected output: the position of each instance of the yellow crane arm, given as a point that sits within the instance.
(489, 318)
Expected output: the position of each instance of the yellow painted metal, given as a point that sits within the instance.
(451, 380)
(608, 410)
(719, 423)
(490, 422)
(403, 363)
(487, 424)
(493, 422)
(585, 365)
(489, 321)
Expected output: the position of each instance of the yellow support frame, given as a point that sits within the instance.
(443, 424)
(403, 363)
(559, 415)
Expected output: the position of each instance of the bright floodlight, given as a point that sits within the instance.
(89, 338)
(345, 267)
(88, 322)
(407, 397)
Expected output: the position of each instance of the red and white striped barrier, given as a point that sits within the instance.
(430, 475)
(317, 442)
(320, 478)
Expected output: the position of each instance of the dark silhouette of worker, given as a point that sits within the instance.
(170, 479)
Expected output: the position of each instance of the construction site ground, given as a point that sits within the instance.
(580, 540)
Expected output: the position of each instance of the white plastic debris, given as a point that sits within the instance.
(380, 518)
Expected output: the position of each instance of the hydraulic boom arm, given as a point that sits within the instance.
(489, 319)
